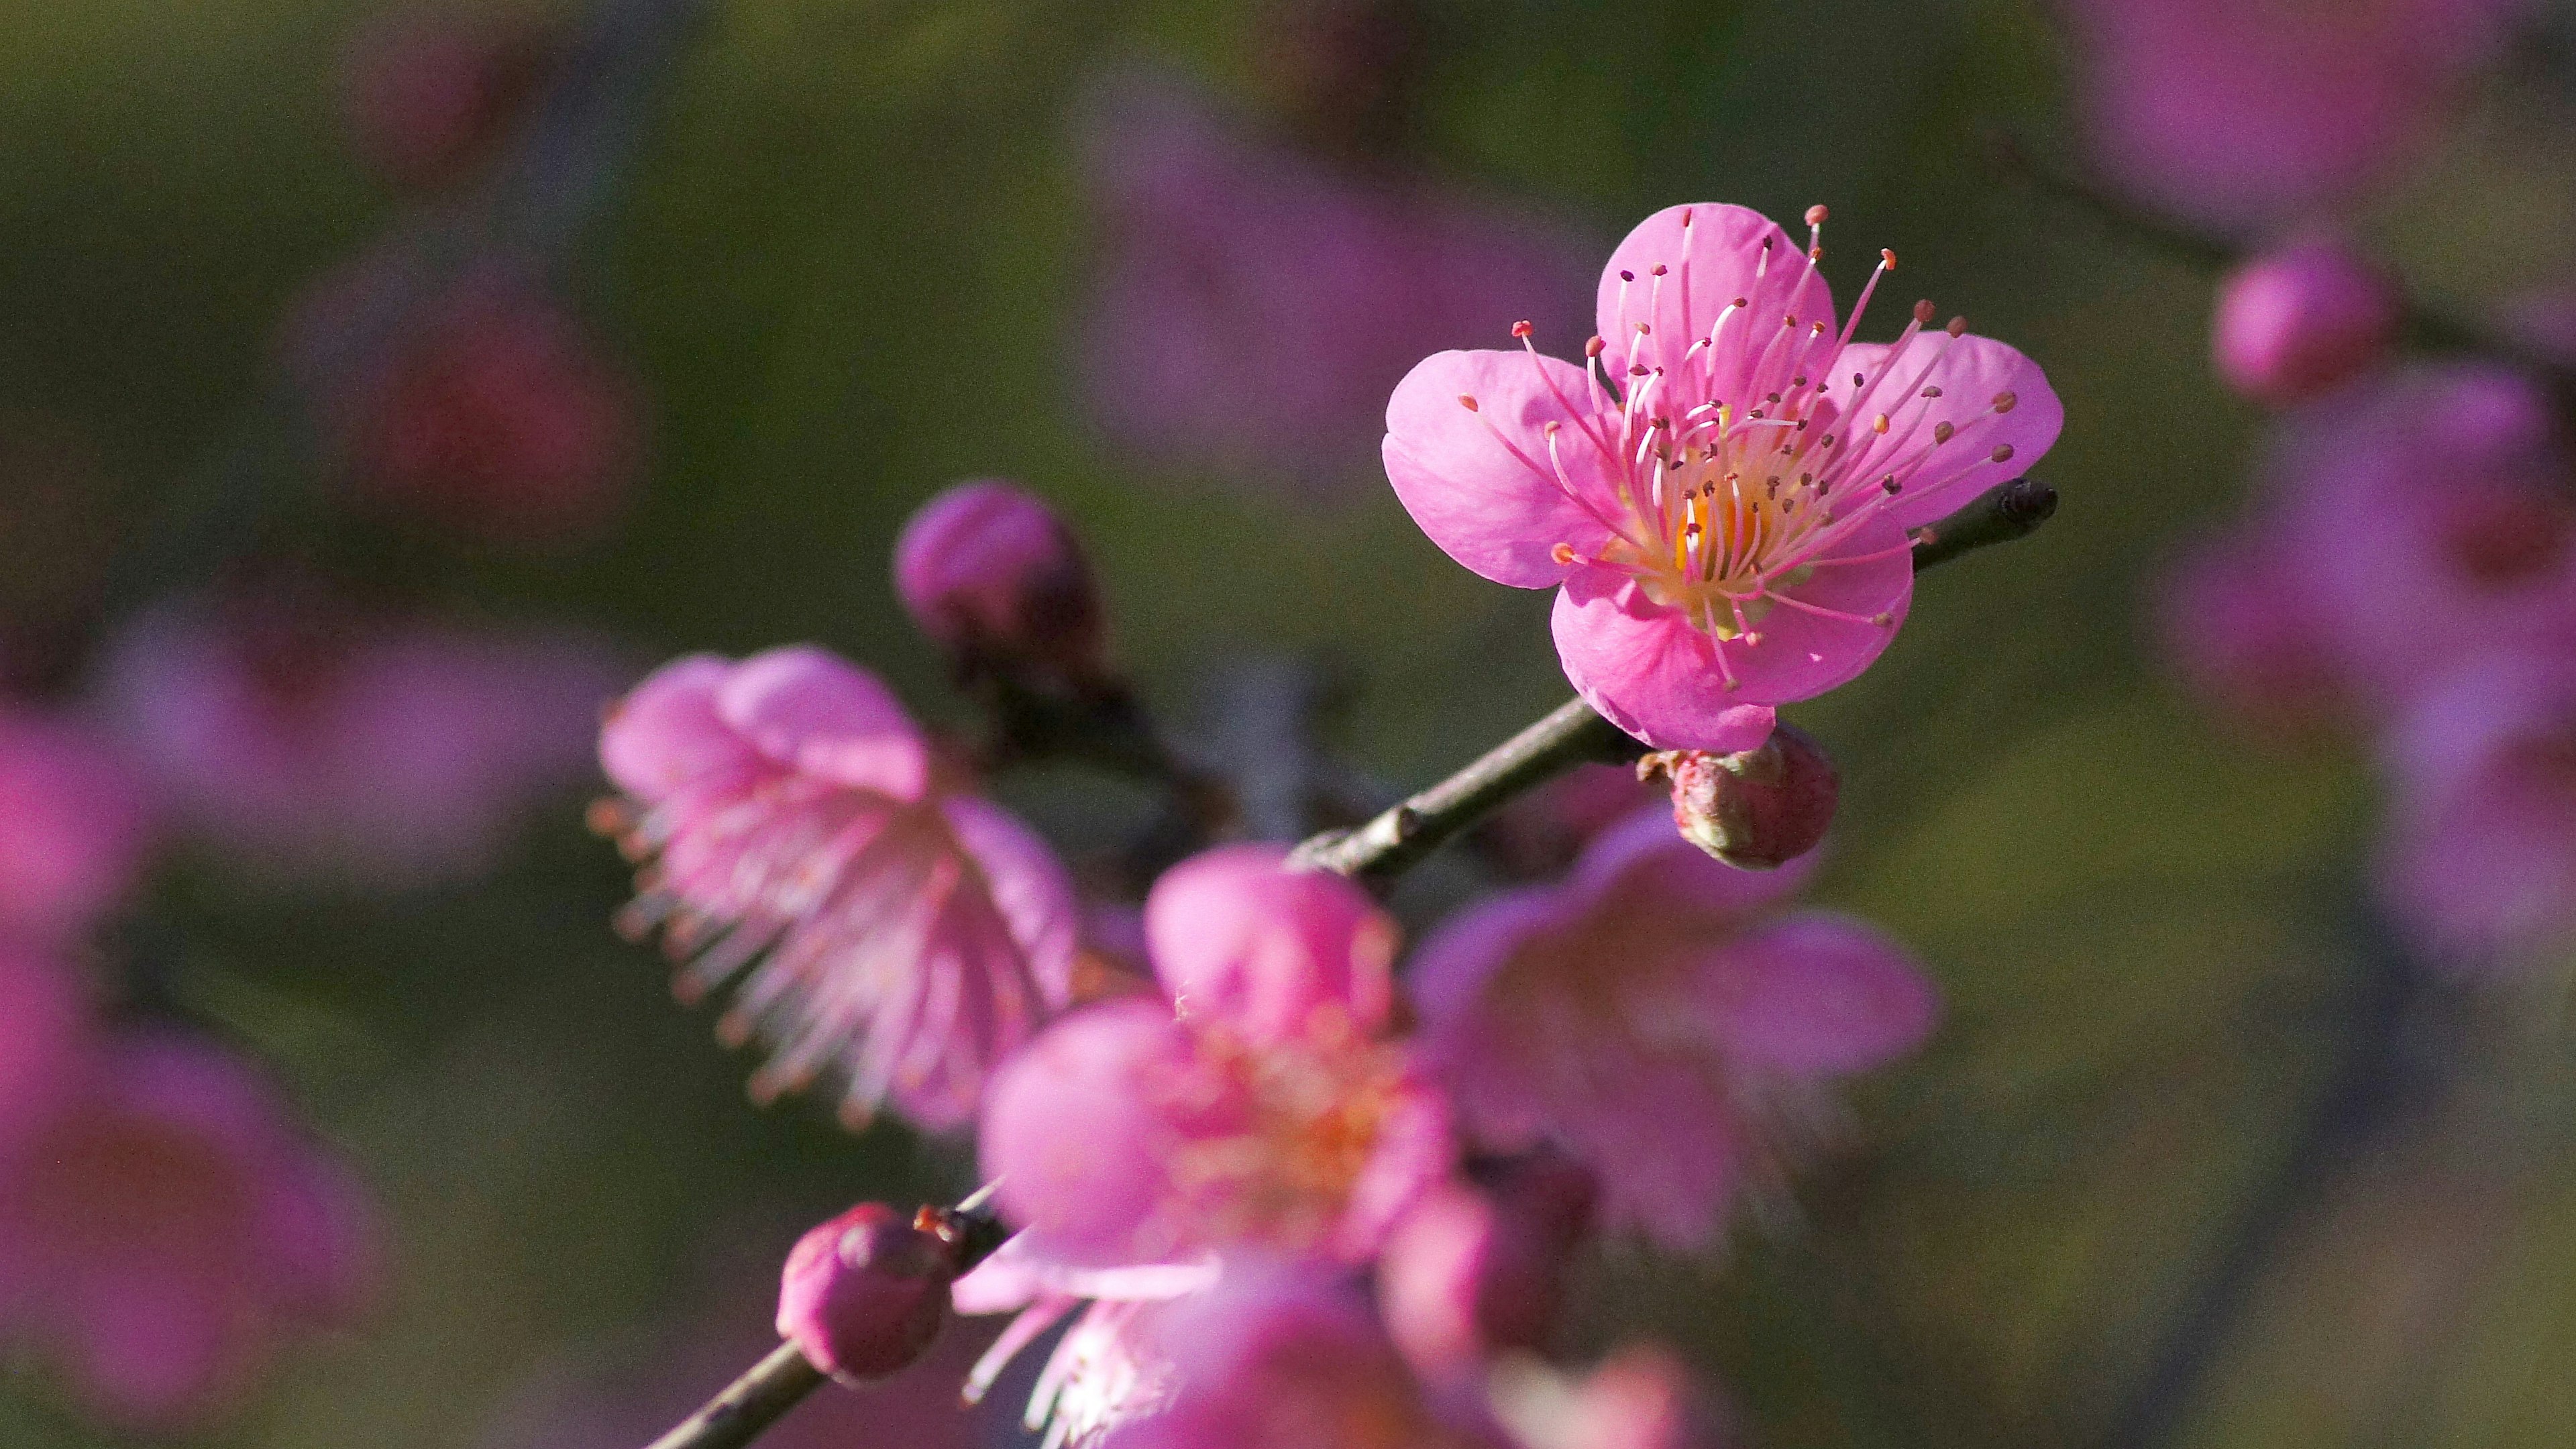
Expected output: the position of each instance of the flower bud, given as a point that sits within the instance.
(1757, 809)
(2295, 322)
(996, 579)
(864, 1294)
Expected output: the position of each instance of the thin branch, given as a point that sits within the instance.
(1573, 734)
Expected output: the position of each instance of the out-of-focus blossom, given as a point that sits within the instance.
(166, 1226)
(1284, 1357)
(2244, 635)
(44, 1025)
(1659, 1017)
(1756, 809)
(1477, 1269)
(307, 743)
(1254, 304)
(1267, 1113)
(864, 1294)
(1730, 533)
(493, 413)
(2300, 320)
(2239, 113)
(906, 934)
(997, 579)
(2478, 858)
(1641, 1397)
(426, 94)
(2422, 518)
(73, 826)
(1541, 832)
(1105, 1369)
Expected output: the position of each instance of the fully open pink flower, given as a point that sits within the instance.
(1255, 303)
(2478, 859)
(72, 827)
(2242, 112)
(906, 934)
(166, 1226)
(304, 742)
(1730, 531)
(1659, 1017)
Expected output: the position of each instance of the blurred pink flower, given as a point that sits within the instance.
(2244, 637)
(2478, 858)
(73, 827)
(1732, 534)
(1641, 1397)
(44, 1024)
(2241, 113)
(1540, 833)
(1254, 304)
(427, 94)
(166, 1226)
(1476, 1269)
(1281, 1356)
(493, 413)
(1658, 1017)
(907, 934)
(310, 744)
(2299, 320)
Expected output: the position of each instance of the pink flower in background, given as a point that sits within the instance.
(997, 580)
(2239, 113)
(1255, 304)
(427, 94)
(2478, 858)
(1268, 1113)
(1540, 833)
(73, 827)
(493, 413)
(1641, 1397)
(306, 743)
(166, 1226)
(2300, 320)
(1731, 533)
(44, 1027)
(898, 931)
(2245, 637)
(1661, 1018)
(1286, 1357)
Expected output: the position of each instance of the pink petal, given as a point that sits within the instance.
(1821, 995)
(1725, 252)
(1970, 372)
(1028, 886)
(665, 733)
(1648, 671)
(809, 708)
(1481, 482)
(1647, 865)
(1237, 936)
(1070, 1133)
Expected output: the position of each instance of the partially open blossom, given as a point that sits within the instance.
(1730, 530)
(306, 742)
(1478, 1268)
(2478, 857)
(898, 931)
(2236, 113)
(1756, 809)
(996, 578)
(1254, 303)
(44, 1025)
(166, 1226)
(426, 95)
(1660, 1017)
(1286, 1357)
(2297, 321)
(73, 826)
(494, 413)
(1641, 1397)
(864, 1294)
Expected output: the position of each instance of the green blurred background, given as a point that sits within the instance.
(2175, 1171)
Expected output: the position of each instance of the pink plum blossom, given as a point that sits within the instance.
(308, 742)
(1728, 532)
(2237, 113)
(898, 930)
(1254, 303)
(166, 1226)
(73, 826)
(2478, 858)
(1281, 1356)
(1662, 1018)
(2296, 321)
